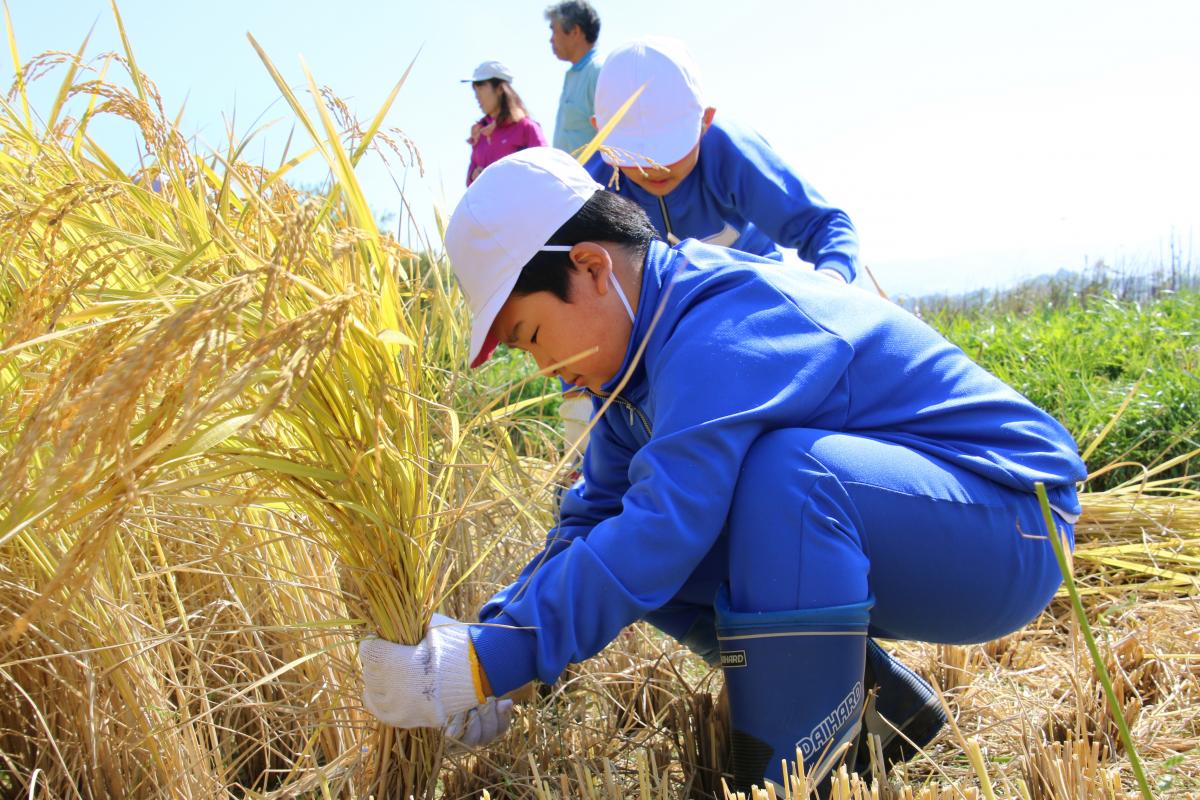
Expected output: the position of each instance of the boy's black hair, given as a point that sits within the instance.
(605, 217)
(571, 14)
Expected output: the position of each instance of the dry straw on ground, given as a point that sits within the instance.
(235, 438)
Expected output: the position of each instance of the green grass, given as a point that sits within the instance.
(1079, 355)
(515, 374)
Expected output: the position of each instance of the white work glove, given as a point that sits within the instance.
(481, 725)
(422, 685)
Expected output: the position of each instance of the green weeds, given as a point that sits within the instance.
(1081, 357)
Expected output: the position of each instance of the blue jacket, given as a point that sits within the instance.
(741, 195)
(743, 347)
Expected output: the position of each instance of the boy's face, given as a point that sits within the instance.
(593, 325)
(661, 181)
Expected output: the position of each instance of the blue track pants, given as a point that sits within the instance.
(825, 519)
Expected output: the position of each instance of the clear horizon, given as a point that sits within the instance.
(971, 146)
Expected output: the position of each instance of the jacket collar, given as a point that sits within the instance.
(660, 263)
(581, 63)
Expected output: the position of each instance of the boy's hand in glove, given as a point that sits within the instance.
(481, 725)
(422, 685)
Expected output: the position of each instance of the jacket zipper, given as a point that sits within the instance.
(672, 239)
(633, 410)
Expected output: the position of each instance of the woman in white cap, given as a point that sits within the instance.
(780, 469)
(506, 126)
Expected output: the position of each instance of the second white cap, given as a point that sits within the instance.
(665, 122)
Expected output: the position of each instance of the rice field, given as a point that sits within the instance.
(238, 436)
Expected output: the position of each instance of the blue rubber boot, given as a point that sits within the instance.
(897, 699)
(795, 684)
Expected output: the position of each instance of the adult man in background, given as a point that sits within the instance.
(574, 28)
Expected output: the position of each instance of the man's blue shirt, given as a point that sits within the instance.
(573, 125)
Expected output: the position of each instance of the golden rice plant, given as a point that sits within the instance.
(234, 436)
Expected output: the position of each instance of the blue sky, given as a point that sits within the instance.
(971, 143)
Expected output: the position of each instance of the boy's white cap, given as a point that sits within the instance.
(664, 123)
(504, 219)
(488, 70)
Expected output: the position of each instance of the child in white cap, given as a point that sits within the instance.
(780, 469)
(701, 176)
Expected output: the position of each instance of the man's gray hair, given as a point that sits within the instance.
(572, 14)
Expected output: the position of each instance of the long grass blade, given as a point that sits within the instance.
(602, 134)
(18, 67)
(1114, 706)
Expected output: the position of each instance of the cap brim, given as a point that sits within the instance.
(483, 340)
(485, 352)
(637, 150)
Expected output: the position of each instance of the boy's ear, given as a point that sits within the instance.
(707, 119)
(595, 260)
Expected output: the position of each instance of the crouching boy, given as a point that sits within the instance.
(789, 468)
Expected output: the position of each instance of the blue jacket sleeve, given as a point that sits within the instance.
(752, 343)
(583, 506)
(784, 206)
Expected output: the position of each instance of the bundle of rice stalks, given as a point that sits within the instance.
(234, 444)
(1132, 539)
(121, 372)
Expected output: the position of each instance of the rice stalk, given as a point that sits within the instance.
(1115, 707)
(224, 394)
